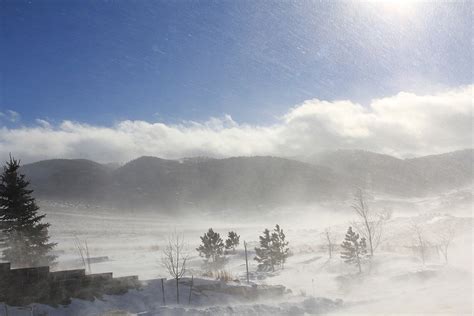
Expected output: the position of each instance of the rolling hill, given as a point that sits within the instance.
(246, 182)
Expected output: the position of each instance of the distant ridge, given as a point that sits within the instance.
(246, 182)
(406, 177)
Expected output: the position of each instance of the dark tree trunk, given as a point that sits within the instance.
(246, 262)
(163, 291)
(177, 290)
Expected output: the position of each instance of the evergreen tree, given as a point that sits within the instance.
(279, 246)
(264, 253)
(212, 249)
(232, 241)
(354, 251)
(273, 249)
(25, 239)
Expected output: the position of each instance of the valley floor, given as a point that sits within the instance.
(395, 282)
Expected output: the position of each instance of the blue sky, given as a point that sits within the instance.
(102, 62)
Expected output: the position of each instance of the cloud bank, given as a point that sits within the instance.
(401, 125)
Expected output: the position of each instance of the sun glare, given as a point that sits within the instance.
(400, 8)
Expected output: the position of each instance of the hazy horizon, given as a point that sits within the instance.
(303, 158)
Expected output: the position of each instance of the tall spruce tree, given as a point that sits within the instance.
(24, 237)
(354, 251)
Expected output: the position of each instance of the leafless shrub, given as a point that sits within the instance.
(328, 237)
(83, 250)
(445, 237)
(420, 244)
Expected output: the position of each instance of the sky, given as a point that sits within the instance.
(113, 80)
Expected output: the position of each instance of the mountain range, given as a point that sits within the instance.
(246, 182)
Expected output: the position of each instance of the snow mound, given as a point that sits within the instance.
(309, 306)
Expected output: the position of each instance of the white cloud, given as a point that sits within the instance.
(43, 123)
(400, 125)
(10, 116)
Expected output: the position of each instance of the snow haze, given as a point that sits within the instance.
(261, 157)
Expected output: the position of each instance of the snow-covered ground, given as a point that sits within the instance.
(396, 281)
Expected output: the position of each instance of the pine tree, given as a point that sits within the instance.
(25, 239)
(232, 241)
(273, 249)
(279, 246)
(264, 253)
(354, 251)
(212, 248)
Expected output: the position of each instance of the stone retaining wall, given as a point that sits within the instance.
(40, 285)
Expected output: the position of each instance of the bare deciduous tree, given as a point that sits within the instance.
(420, 242)
(328, 237)
(174, 259)
(371, 223)
(445, 238)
